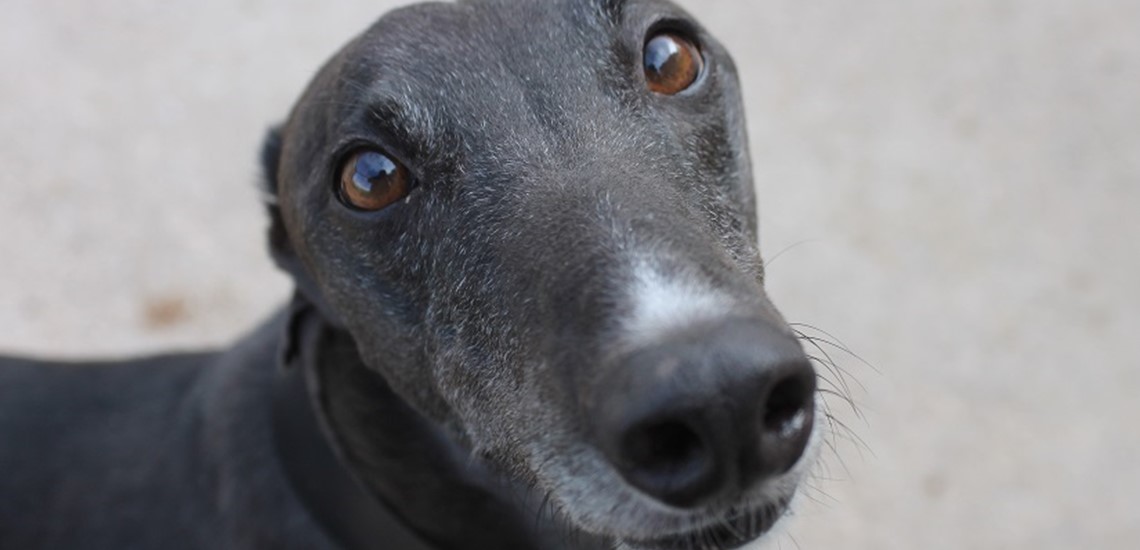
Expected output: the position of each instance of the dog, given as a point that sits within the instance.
(529, 313)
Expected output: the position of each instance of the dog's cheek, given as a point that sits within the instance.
(402, 366)
(385, 325)
(468, 380)
(483, 383)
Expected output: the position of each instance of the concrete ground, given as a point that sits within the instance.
(949, 187)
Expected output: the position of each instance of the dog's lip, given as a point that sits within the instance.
(732, 530)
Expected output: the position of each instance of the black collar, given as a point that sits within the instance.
(339, 502)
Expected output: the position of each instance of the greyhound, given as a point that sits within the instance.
(529, 313)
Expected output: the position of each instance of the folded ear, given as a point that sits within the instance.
(280, 246)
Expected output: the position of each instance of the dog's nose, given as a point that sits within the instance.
(713, 411)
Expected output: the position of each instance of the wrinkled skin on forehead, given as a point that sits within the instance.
(495, 294)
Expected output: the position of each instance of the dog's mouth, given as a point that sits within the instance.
(733, 530)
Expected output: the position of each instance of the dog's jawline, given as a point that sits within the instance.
(442, 494)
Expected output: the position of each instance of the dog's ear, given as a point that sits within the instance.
(300, 309)
(280, 247)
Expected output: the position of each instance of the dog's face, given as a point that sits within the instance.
(506, 204)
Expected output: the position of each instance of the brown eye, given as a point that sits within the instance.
(371, 180)
(672, 63)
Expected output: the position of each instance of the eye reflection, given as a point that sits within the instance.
(371, 180)
(672, 63)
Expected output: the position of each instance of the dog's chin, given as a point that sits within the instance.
(730, 530)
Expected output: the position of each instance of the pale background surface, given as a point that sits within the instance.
(954, 185)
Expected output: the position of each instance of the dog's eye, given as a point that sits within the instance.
(371, 180)
(672, 63)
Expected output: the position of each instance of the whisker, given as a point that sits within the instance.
(768, 262)
(835, 342)
(833, 365)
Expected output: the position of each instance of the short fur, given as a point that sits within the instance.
(456, 340)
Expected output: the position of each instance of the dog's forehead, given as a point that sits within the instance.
(476, 34)
(443, 76)
(482, 57)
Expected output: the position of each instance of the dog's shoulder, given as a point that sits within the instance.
(143, 452)
(46, 392)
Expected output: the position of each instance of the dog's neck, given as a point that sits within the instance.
(408, 462)
(424, 480)
(333, 496)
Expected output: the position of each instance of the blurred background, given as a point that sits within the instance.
(948, 188)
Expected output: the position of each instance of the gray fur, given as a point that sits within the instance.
(473, 321)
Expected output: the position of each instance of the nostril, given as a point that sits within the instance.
(787, 421)
(788, 405)
(669, 460)
(710, 413)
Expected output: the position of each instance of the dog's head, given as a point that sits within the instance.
(537, 222)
